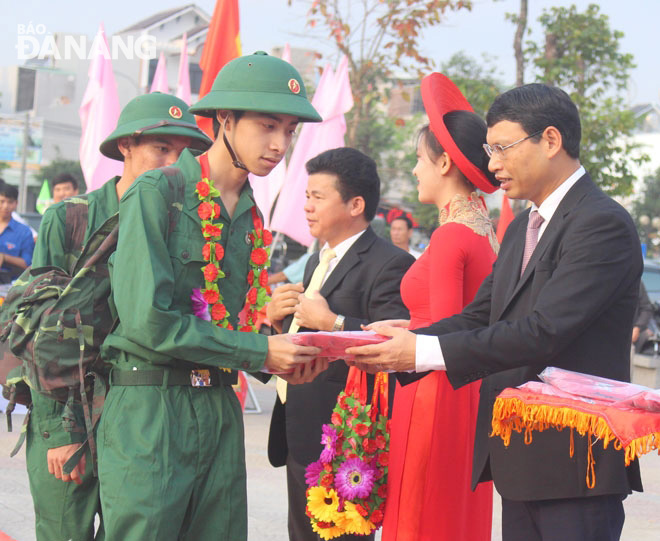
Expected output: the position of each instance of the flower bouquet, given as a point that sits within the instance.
(348, 484)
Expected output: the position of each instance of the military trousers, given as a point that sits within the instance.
(172, 464)
(64, 511)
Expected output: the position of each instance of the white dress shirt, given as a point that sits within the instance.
(428, 355)
(340, 251)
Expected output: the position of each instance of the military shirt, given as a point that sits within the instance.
(158, 263)
(50, 250)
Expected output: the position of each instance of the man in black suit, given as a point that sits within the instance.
(571, 305)
(361, 285)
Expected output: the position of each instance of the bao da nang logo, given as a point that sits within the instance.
(34, 42)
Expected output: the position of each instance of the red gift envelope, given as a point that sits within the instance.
(334, 344)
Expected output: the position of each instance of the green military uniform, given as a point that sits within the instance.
(171, 458)
(62, 510)
(66, 511)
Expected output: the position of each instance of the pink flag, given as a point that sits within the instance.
(266, 188)
(98, 112)
(159, 83)
(333, 99)
(183, 83)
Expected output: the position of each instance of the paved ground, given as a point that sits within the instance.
(267, 491)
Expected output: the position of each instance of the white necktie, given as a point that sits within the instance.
(314, 285)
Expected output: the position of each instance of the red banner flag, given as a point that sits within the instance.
(506, 217)
(223, 43)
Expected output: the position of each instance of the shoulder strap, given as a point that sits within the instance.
(77, 217)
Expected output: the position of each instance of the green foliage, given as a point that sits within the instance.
(3, 166)
(480, 83)
(581, 54)
(59, 166)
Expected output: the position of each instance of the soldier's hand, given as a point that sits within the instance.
(58, 456)
(314, 312)
(304, 373)
(283, 302)
(284, 356)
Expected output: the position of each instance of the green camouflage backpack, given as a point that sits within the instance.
(53, 322)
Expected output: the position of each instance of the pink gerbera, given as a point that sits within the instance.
(355, 479)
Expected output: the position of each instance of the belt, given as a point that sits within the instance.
(168, 377)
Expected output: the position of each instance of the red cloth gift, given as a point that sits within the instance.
(624, 414)
(334, 344)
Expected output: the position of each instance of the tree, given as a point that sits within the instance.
(581, 54)
(377, 36)
(520, 21)
(59, 166)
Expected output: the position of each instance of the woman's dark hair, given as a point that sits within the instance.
(468, 131)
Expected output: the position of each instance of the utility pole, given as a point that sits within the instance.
(22, 189)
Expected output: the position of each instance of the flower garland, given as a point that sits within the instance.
(348, 484)
(208, 301)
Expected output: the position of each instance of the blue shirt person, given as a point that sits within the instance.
(16, 240)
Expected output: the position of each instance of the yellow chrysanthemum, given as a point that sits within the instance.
(354, 522)
(327, 530)
(323, 504)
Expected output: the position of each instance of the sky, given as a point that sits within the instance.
(269, 23)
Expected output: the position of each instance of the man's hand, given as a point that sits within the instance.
(635, 334)
(284, 356)
(314, 313)
(304, 373)
(402, 323)
(58, 456)
(395, 355)
(283, 302)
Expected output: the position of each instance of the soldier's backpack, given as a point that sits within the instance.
(53, 322)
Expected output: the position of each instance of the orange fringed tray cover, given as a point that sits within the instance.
(624, 414)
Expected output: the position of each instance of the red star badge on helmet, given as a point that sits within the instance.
(175, 112)
(294, 86)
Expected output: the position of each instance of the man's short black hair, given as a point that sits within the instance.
(357, 175)
(537, 106)
(8, 191)
(216, 123)
(63, 178)
(408, 221)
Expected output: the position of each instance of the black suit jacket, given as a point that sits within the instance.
(364, 287)
(572, 308)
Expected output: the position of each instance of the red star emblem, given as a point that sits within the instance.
(294, 86)
(175, 112)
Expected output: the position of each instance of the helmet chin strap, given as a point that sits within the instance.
(238, 164)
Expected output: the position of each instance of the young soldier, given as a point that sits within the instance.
(152, 131)
(64, 185)
(171, 452)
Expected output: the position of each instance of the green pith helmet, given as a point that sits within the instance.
(154, 114)
(260, 83)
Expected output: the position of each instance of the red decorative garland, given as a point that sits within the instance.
(213, 252)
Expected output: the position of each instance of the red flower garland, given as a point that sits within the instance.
(213, 252)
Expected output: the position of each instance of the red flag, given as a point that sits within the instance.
(223, 43)
(506, 217)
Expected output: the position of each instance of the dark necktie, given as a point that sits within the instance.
(531, 238)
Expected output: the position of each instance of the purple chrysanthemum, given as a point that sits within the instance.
(199, 306)
(329, 440)
(355, 479)
(312, 473)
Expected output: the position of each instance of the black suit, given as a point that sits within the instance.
(572, 308)
(364, 287)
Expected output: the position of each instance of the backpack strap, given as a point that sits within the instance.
(76, 221)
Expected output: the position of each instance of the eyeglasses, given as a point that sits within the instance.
(499, 149)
